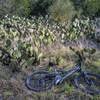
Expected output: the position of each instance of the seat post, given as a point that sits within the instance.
(53, 65)
(55, 68)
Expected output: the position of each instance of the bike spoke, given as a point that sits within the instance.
(96, 84)
(90, 84)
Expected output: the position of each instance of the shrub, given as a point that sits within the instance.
(62, 10)
(22, 7)
(91, 7)
(40, 7)
(78, 4)
(16, 7)
(5, 7)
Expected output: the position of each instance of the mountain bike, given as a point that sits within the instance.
(85, 81)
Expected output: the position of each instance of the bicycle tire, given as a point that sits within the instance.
(36, 86)
(80, 83)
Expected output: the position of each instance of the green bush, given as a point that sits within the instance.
(16, 7)
(62, 10)
(78, 4)
(91, 7)
(40, 7)
(6, 7)
(22, 7)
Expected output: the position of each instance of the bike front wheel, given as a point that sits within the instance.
(39, 81)
(81, 83)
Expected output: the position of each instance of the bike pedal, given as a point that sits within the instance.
(58, 79)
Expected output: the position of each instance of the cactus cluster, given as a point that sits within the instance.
(22, 38)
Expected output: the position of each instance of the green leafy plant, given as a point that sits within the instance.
(40, 7)
(66, 87)
(91, 7)
(81, 27)
(16, 7)
(62, 10)
(23, 38)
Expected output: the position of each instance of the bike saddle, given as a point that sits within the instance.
(52, 64)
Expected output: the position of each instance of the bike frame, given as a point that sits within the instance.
(73, 70)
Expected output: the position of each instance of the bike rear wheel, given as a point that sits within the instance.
(80, 82)
(39, 81)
